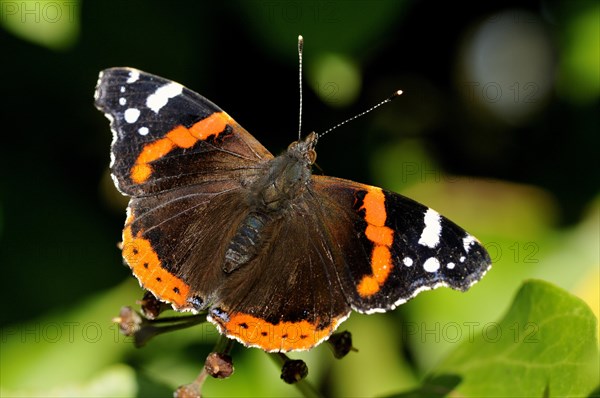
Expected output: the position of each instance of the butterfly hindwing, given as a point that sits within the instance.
(290, 297)
(171, 248)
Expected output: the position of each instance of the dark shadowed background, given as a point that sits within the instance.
(497, 129)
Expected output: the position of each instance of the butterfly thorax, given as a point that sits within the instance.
(284, 181)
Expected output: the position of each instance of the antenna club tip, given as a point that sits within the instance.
(396, 94)
(300, 38)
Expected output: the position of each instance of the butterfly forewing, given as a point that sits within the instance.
(394, 247)
(166, 136)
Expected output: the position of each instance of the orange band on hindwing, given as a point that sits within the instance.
(281, 337)
(147, 267)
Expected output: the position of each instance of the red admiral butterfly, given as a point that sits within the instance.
(277, 256)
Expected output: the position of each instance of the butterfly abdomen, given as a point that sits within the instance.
(247, 241)
(273, 195)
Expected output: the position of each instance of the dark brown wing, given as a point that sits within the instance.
(290, 297)
(393, 247)
(185, 164)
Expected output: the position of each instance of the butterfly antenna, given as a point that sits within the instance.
(300, 47)
(389, 99)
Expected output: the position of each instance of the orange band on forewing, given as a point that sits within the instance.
(146, 266)
(155, 150)
(212, 125)
(182, 137)
(140, 173)
(380, 235)
(382, 238)
(284, 336)
(179, 137)
(368, 286)
(374, 206)
(381, 263)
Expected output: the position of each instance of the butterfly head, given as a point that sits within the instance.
(304, 149)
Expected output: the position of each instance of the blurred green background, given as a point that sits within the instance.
(498, 129)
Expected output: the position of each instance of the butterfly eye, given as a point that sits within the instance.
(312, 156)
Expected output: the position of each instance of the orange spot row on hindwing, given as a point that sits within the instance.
(284, 336)
(147, 267)
(382, 238)
(179, 137)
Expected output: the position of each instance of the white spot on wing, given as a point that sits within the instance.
(131, 115)
(450, 265)
(407, 261)
(432, 264)
(115, 137)
(122, 89)
(416, 292)
(134, 75)
(462, 259)
(143, 131)
(431, 233)
(467, 242)
(122, 101)
(162, 95)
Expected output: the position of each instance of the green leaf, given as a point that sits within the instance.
(544, 346)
